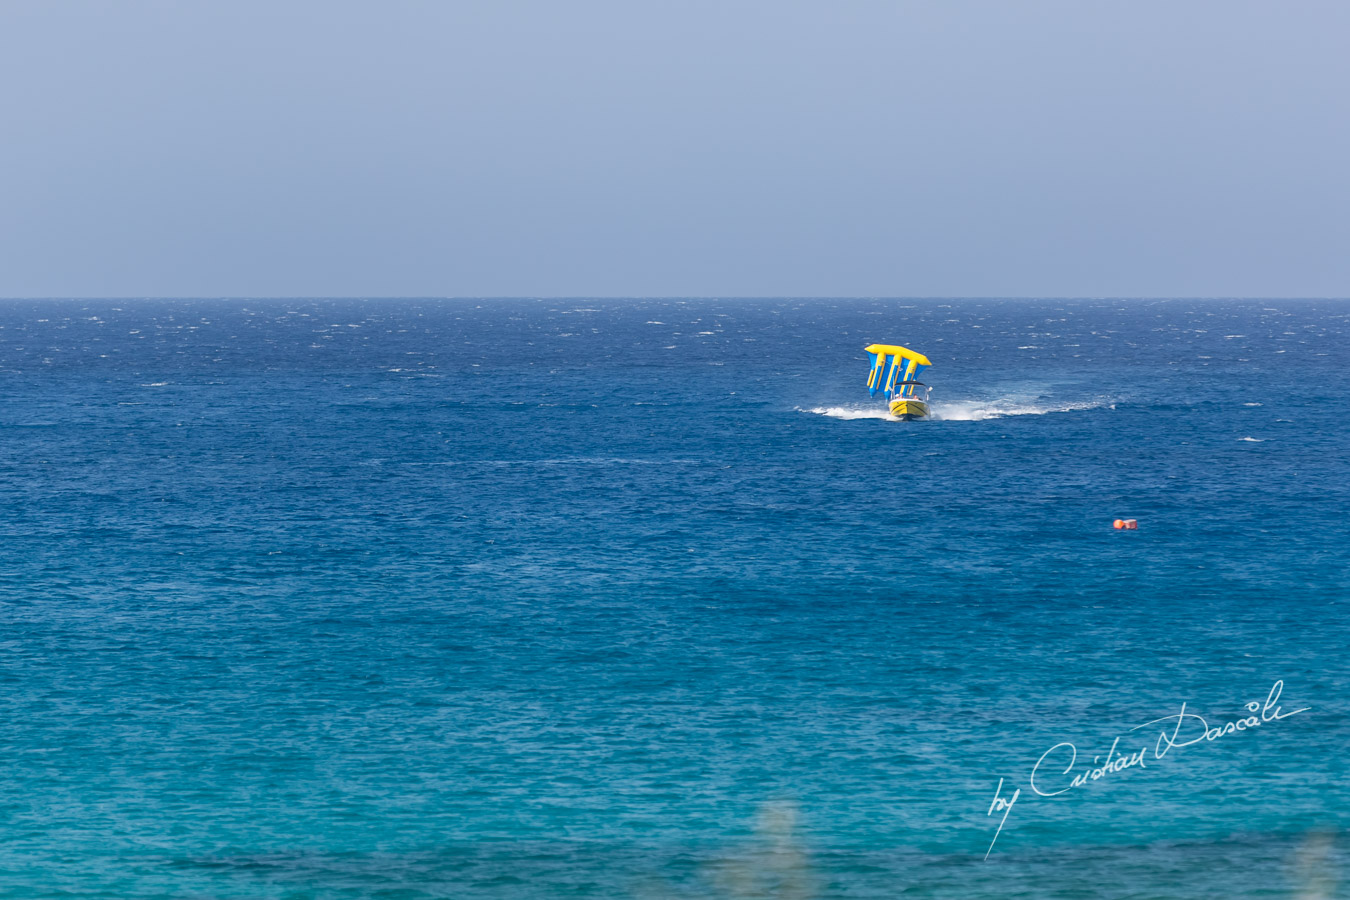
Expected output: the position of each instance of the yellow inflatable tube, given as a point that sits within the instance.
(902, 352)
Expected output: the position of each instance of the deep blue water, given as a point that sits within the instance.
(521, 598)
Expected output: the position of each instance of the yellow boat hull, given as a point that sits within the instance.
(908, 408)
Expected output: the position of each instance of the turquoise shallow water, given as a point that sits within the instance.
(645, 599)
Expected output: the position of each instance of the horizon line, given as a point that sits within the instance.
(495, 297)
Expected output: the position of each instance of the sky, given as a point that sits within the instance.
(653, 148)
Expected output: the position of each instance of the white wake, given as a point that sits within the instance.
(979, 410)
(851, 412)
(959, 411)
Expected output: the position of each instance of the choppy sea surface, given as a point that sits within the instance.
(648, 599)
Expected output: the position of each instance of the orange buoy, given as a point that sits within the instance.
(1118, 524)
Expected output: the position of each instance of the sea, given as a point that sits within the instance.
(648, 598)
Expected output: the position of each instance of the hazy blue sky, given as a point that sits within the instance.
(675, 148)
